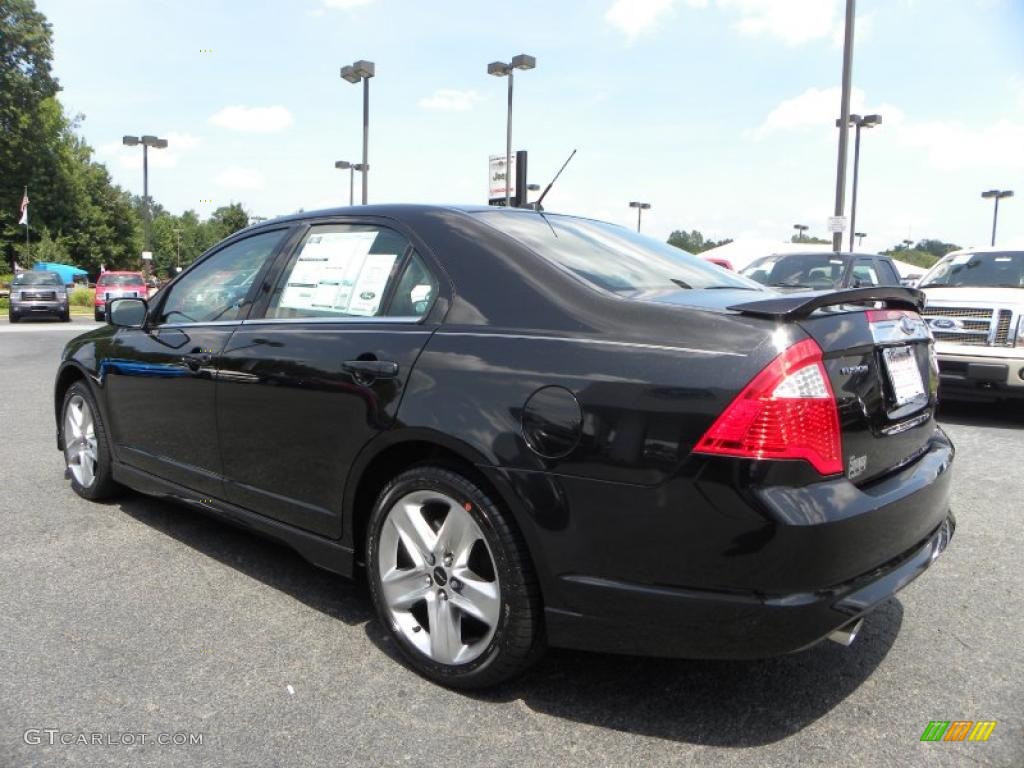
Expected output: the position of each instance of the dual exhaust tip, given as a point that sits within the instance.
(847, 633)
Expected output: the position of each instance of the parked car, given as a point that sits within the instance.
(724, 263)
(975, 308)
(822, 270)
(38, 293)
(111, 285)
(529, 429)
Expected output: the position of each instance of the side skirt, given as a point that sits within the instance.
(323, 553)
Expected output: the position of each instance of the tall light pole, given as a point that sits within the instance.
(640, 208)
(800, 229)
(860, 238)
(844, 118)
(146, 142)
(363, 71)
(858, 122)
(996, 195)
(352, 168)
(500, 69)
(177, 237)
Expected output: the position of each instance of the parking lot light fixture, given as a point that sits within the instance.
(362, 71)
(640, 208)
(800, 229)
(146, 142)
(860, 237)
(996, 195)
(343, 165)
(501, 69)
(857, 122)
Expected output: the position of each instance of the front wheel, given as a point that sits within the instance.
(86, 450)
(452, 581)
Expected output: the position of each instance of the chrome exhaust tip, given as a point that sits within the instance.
(846, 634)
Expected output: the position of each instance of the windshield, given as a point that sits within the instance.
(612, 257)
(119, 280)
(37, 278)
(802, 270)
(1003, 269)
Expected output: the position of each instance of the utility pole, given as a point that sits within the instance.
(844, 126)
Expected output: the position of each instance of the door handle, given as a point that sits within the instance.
(364, 370)
(195, 360)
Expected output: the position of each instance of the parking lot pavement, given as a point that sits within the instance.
(140, 617)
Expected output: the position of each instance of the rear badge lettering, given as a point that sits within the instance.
(853, 370)
(857, 466)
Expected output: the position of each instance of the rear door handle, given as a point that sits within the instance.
(371, 369)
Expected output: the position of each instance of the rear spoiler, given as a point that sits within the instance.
(803, 304)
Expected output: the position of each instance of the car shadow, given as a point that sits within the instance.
(1008, 414)
(713, 703)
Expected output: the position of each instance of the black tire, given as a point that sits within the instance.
(66, 317)
(102, 485)
(99, 316)
(13, 318)
(518, 639)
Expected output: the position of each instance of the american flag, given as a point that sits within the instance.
(24, 208)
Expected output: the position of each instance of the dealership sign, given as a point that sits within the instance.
(496, 184)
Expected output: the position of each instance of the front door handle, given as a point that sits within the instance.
(196, 360)
(364, 370)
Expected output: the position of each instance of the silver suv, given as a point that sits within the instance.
(38, 293)
(975, 310)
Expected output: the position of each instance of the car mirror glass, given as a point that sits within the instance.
(128, 313)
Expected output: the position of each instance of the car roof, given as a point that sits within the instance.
(986, 249)
(839, 255)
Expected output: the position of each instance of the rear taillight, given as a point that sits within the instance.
(788, 411)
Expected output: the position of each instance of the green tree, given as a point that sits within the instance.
(811, 239)
(924, 254)
(228, 219)
(694, 241)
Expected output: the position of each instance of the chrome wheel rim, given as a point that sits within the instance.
(80, 451)
(438, 578)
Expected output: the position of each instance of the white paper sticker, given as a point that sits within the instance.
(326, 271)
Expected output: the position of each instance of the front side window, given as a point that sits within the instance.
(339, 270)
(217, 288)
(611, 257)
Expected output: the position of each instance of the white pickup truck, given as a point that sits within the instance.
(975, 308)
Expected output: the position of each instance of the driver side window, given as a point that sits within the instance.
(216, 289)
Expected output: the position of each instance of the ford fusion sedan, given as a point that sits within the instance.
(529, 430)
(822, 270)
(38, 293)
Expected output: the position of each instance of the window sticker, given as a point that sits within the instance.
(332, 272)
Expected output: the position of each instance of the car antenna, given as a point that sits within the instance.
(536, 205)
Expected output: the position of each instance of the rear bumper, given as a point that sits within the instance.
(661, 621)
(729, 560)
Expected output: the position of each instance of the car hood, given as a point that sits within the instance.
(956, 295)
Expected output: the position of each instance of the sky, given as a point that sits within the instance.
(719, 113)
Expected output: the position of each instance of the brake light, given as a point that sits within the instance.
(788, 411)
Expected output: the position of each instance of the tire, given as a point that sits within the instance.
(485, 594)
(99, 316)
(66, 317)
(12, 318)
(87, 454)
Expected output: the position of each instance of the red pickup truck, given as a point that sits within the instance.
(114, 285)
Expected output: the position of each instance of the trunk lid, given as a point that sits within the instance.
(880, 363)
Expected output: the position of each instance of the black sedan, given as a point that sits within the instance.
(529, 429)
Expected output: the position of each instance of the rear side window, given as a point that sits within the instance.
(415, 291)
(887, 273)
(339, 270)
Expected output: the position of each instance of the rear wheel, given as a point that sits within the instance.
(452, 581)
(86, 449)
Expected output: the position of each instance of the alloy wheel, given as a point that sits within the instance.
(438, 577)
(80, 448)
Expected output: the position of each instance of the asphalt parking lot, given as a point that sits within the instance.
(140, 617)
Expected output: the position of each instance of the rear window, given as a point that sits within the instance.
(37, 278)
(1003, 269)
(119, 280)
(611, 257)
(797, 270)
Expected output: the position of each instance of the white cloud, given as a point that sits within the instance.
(253, 119)
(236, 177)
(634, 16)
(792, 21)
(814, 108)
(450, 100)
(954, 146)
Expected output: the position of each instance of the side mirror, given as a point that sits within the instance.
(127, 312)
